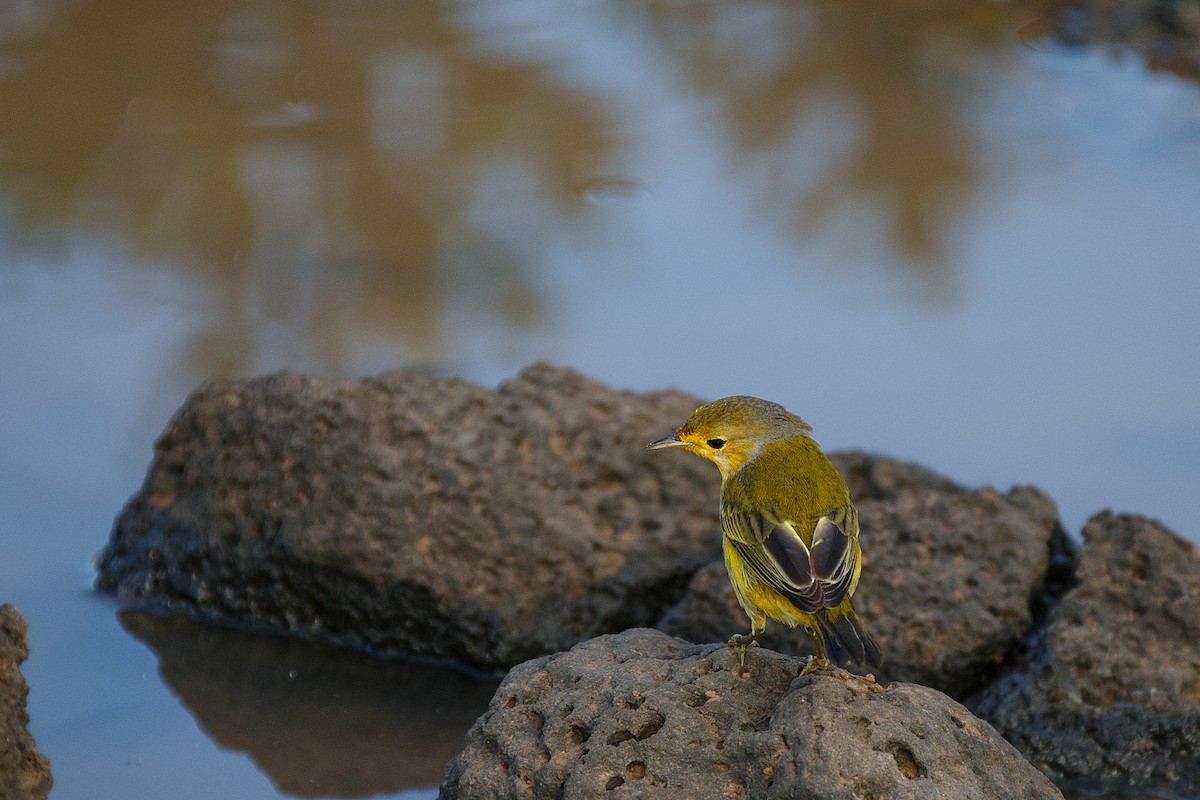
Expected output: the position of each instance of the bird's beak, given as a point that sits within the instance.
(670, 441)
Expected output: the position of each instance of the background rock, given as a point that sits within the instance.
(641, 714)
(415, 514)
(951, 577)
(1109, 699)
(24, 772)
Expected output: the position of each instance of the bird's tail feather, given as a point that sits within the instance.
(845, 638)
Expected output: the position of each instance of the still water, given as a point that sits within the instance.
(926, 229)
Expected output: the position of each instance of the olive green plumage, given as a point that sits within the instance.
(789, 526)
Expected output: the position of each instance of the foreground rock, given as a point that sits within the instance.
(642, 714)
(24, 772)
(1110, 697)
(414, 514)
(950, 576)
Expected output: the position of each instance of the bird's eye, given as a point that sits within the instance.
(716, 444)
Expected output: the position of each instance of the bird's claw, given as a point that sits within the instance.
(816, 664)
(741, 642)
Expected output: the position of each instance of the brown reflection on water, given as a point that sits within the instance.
(318, 722)
(308, 160)
(899, 74)
(319, 166)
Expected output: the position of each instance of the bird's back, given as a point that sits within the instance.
(793, 480)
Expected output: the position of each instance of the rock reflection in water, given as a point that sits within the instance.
(317, 721)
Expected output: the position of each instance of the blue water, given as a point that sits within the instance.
(931, 241)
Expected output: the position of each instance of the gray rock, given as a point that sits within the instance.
(1109, 699)
(950, 576)
(412, 514)
(24, 772)
(876, 477)
(641, 714)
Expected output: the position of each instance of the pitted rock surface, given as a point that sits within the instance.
(1109, 698)
(642, 714)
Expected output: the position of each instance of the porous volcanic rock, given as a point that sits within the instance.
(1109, 699)
(642, 714)
(407, 513)
(951, 577)
(24, 772)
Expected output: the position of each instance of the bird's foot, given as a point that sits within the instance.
(817, 664)
(741, 642)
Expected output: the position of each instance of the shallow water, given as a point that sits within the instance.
(926, 231)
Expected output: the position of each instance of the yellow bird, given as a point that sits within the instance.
(789, 526)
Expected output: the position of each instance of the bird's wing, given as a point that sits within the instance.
(811, 578)
(836, 557)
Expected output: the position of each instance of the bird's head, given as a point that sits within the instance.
(731, 431)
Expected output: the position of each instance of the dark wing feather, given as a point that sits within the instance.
(836, 555)
(811, 578)
(829, 549)
(776, 555)
(790, 555)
